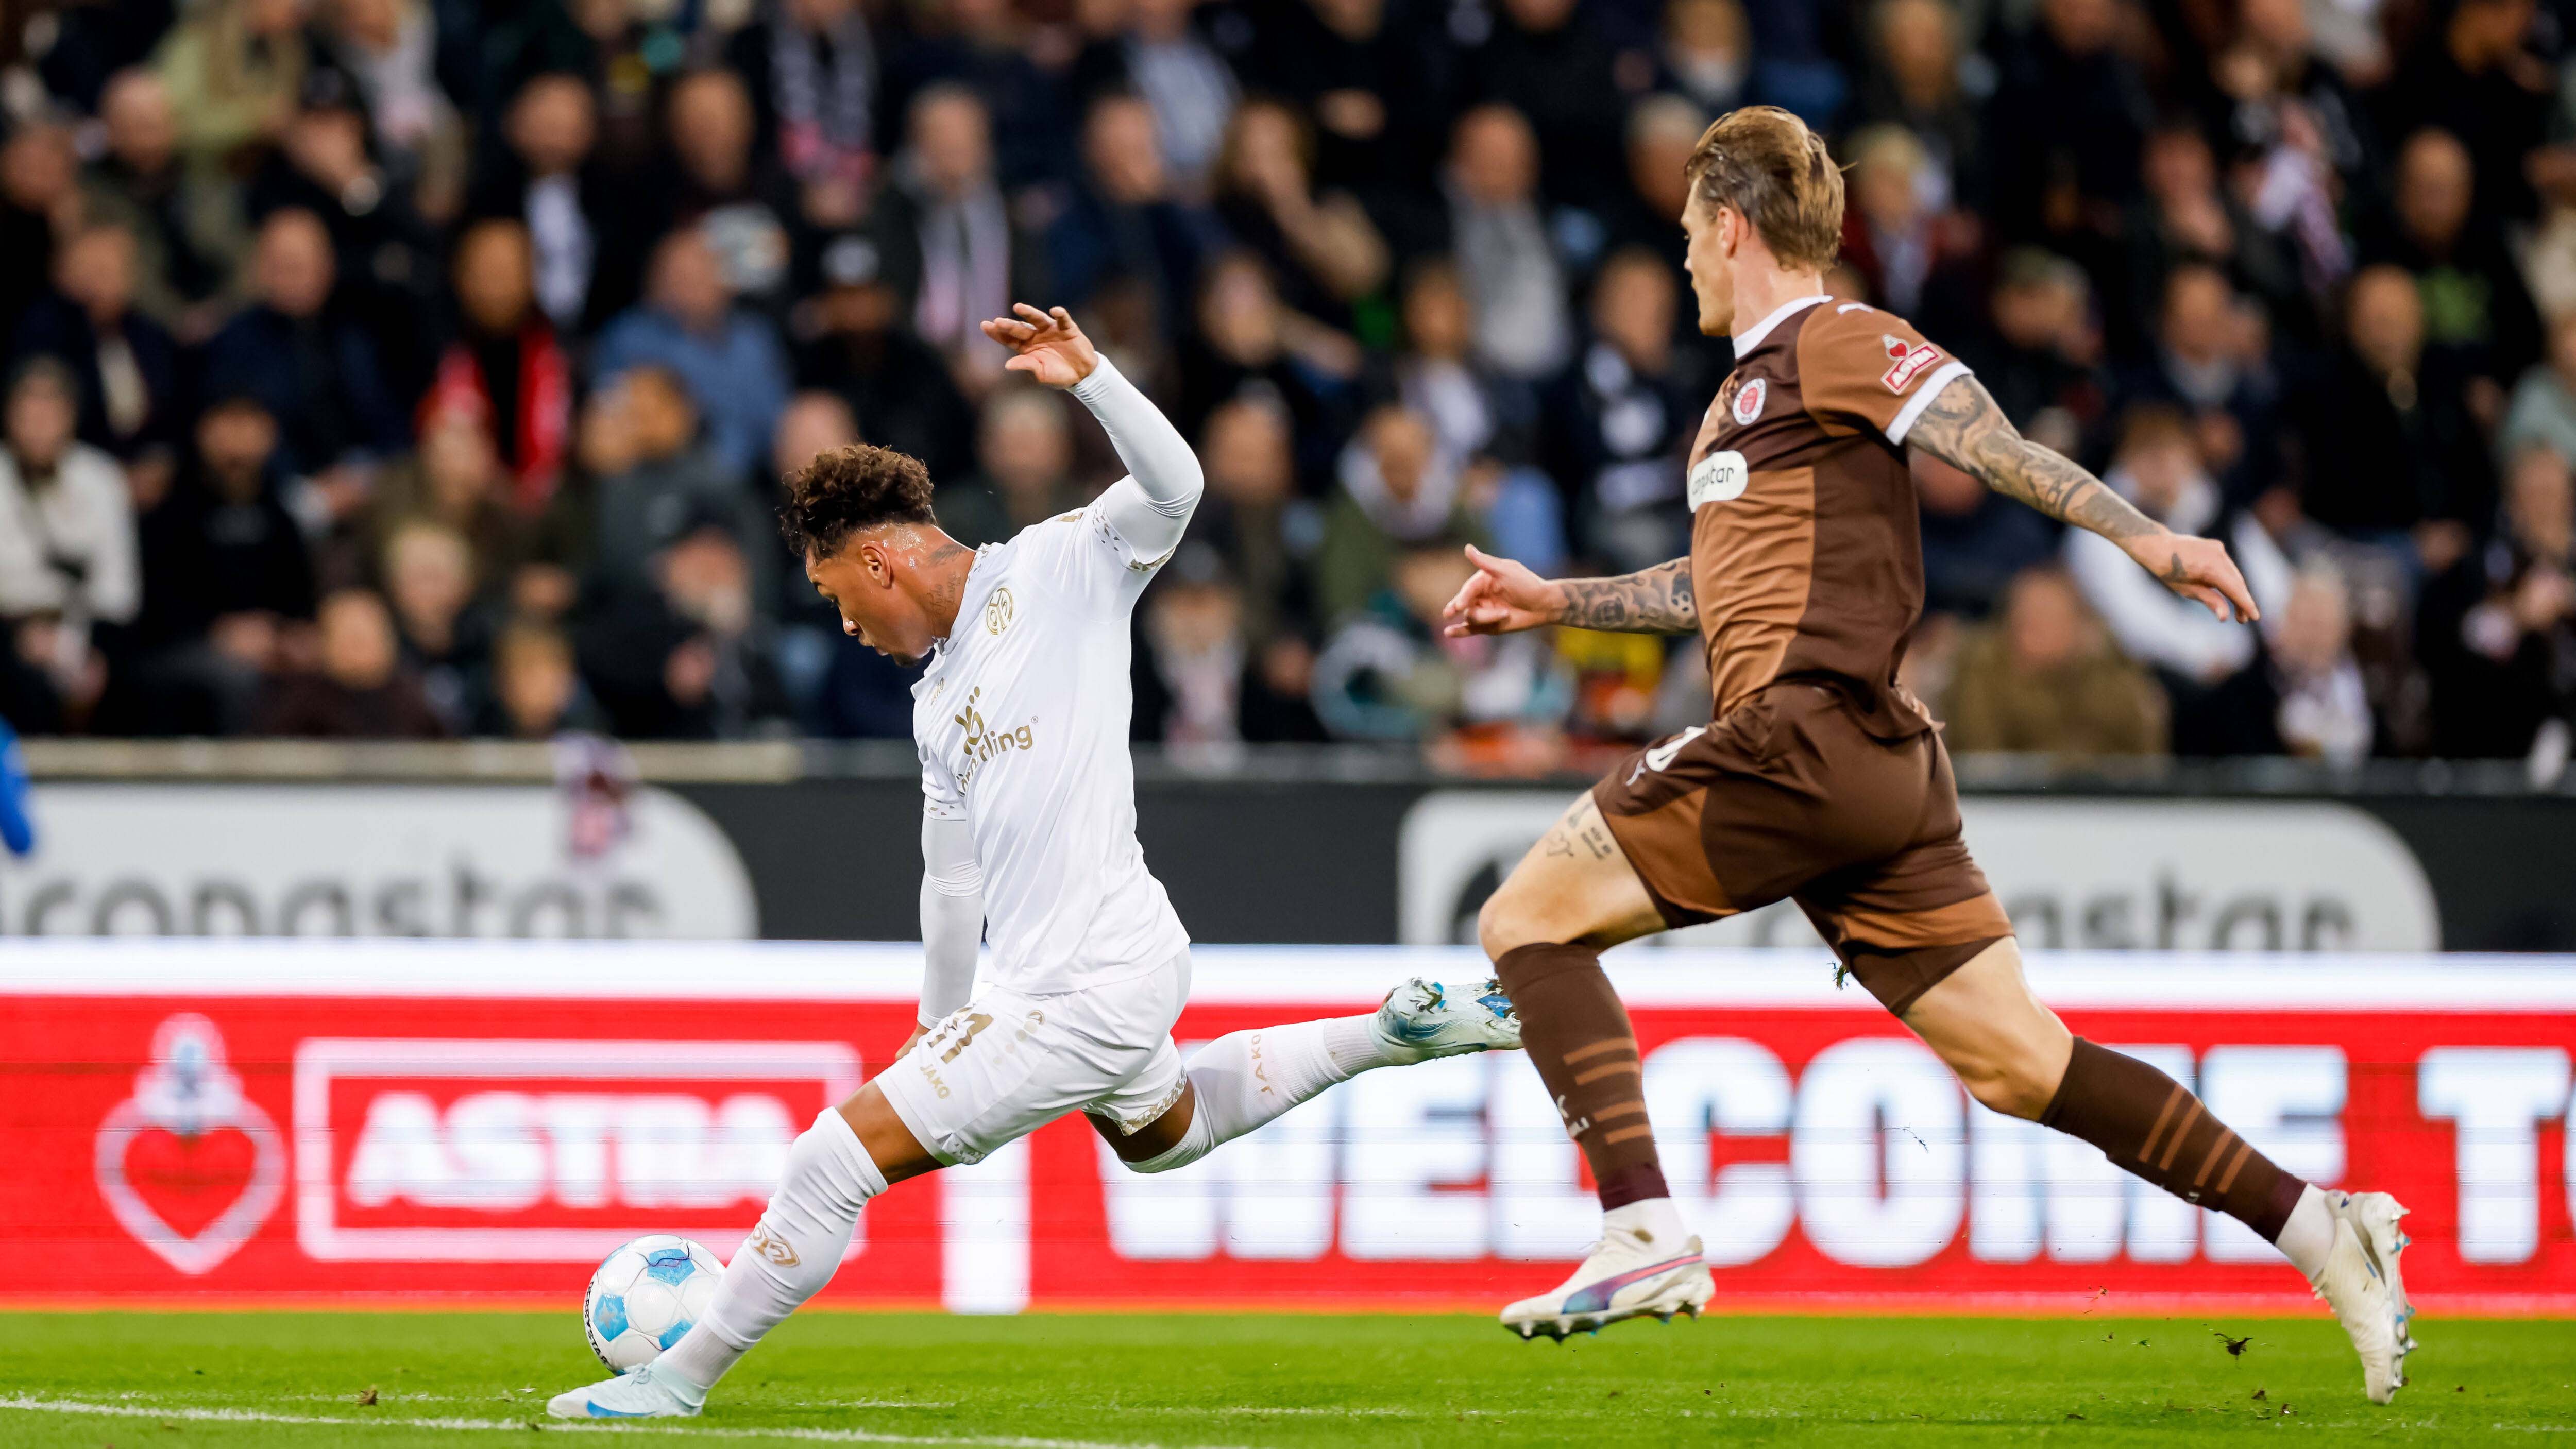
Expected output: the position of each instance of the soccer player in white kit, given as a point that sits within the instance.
(1028, 830)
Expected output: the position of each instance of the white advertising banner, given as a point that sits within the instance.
(370, 860)
(2103, 875)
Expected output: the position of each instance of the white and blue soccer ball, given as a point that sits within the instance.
(645, 1295)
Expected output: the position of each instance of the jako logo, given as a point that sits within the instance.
(545, 1150)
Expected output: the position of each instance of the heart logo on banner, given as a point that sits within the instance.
(189, 1165)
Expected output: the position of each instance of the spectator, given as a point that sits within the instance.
(2478, 80)
(2194, 653)
(1707, 53)
(1127, 221)
(1389, 673)
(389, 49)
(38, 201)
(1026, 448)
(1399, 490)
(1620, 418)
(454, 482)
(1547, 61)
(1663, 130)
(655, 479)
(1325, 246)
(2037, 352)
(2184, 219)
(360, 690)
(536, 691)
(545, 179)
(1156, 56)
(125, 364)
(737, 200)
(2498, 631)
(1913, 82)
(2064, 128)
(1479, 416)
(226, 572)
(2042, 679)
(2542, 412)
(2208, 362)
(2476, 312)
(429, 580)
(2324, 711)
(506, 364)
(68, 566)
(1203, 683)
(729, 358)
(312, 367)
(1377, 80)
(2393, 454)
(1891, 234)
(234, 69)
(1974, 543)
(901, 390)
(1251, 516)
(190, 236)
(1248, 343)
(810, 67)
(689, 657)
(945, 237)
(1523, 329)
(980, 44)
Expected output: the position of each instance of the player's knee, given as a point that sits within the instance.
(2013, 1086)
(1505, 922)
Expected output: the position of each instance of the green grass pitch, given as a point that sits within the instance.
(1114, 1381)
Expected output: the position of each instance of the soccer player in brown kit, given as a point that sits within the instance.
(1818, 778)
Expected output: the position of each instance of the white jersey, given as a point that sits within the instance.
(1021, 718)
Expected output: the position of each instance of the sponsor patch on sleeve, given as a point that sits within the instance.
(1906, 361)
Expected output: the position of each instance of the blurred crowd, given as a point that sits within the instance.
(420, 368)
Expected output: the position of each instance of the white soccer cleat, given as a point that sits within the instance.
(2363, 1286)
(1421, 1020)
(1622, 1277)
(636, 1395)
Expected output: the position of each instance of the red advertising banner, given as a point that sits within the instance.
(276, 1121)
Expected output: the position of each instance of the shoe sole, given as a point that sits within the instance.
(1686, 1292)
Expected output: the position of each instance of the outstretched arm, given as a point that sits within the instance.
(1151, 506)
(1505, 597)
(1964, 428)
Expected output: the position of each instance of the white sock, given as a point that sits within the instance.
(1654, 1222)
(787, 1259)
(2308, 1237)
(1247, 1078)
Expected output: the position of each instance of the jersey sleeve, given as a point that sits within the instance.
(940, 797)
(1863, 369)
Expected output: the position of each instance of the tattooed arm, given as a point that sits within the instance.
(1505, 597)
(1965, 429)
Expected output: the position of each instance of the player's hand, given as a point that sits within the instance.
(1046, 345)
(1503, 598)
(2196, 568)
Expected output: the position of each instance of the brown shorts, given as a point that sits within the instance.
(1788, 796)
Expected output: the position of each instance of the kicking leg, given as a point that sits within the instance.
(1570, 898)
(1244, 1079)
(2015, 1056)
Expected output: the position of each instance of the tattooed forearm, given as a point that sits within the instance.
(1656, 601)
(1965, 429)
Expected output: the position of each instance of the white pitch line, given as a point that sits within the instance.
(520, 1426)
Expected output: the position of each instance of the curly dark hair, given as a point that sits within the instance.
(850, 490)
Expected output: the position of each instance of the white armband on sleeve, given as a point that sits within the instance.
(952, 916)
(1151, 506)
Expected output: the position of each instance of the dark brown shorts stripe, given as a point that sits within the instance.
(1586, 1078)
(2182, 1129)
(2173, 1100)
(1614, 1044)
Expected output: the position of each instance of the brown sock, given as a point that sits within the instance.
(1578, 1037)
(2149, 1124)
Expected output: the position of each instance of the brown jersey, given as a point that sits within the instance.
(1806, 547)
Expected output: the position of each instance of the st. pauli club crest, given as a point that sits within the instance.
(189, 1165)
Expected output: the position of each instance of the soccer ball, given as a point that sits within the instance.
(645, 1296)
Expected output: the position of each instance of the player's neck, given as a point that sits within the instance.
(1761, 291)
(945, 563)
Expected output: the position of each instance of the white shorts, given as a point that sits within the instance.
(1008, 1063)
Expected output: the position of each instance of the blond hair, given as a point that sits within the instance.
(1770, 168)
